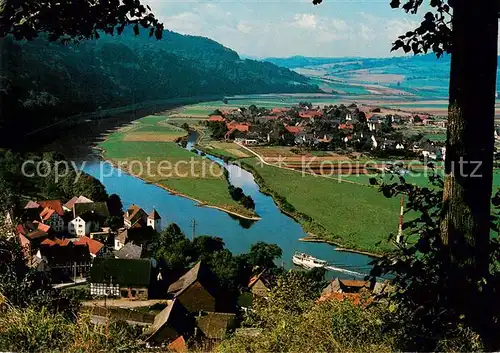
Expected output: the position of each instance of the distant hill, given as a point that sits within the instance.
(42, 82)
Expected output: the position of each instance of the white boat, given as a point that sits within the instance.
(307, 261)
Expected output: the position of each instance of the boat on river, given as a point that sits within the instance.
(307, 261)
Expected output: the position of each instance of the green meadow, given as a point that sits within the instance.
(147, 148)
(355, 216)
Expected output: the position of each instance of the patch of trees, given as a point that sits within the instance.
(218, 129)
(44, 82)
(176, 253)
(39, 179)
(239, 196)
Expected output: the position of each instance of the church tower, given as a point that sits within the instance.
(154, 220)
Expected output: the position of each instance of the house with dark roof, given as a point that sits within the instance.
(53, 218)
(172, 327)
(126, 278)
(98, 209)
(129, 251)
(260, 284)
(138, 235)
(134, 215)
(214, 326)
(63, 258)
(347, 286)
(198, 289)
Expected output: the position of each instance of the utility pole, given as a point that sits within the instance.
(399, 238)
(193, 226)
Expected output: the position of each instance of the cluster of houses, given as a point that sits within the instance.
(313, 126)
(68, 239)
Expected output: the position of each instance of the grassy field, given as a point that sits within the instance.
(146, 148)
(355, 216)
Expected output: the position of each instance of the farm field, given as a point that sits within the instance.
(226, 149)
(146, 148)
(353, 215)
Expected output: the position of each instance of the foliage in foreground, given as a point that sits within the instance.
(436, 304)
(36, 329)
(291, 321)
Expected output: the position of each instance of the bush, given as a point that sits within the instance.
(292, 322)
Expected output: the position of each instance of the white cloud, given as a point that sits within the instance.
(278, 29)
(366, 32)
(305, 20)
(244, 27)
(185, 23)
(395, 28)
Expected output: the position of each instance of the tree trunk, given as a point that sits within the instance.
(465, 223)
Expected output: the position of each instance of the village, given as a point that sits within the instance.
(341, 129)
(84, 243)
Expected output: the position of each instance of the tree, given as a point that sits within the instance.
(74, 20)
(263, 255)
(115, 205)
(248, 202)
(205, 245)
(174, 250)
(218, 129)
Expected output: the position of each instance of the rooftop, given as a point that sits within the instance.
(123, 271)
(56, 205)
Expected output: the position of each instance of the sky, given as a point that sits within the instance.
(282, 28)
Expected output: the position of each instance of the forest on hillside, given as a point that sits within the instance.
(42, 82)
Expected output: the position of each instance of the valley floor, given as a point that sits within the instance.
(147, 148)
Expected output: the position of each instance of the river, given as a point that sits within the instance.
(238, 235)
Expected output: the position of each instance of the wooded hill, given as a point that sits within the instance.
(42, 82)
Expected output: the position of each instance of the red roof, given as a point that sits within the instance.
(355, 298)
(94, 245)
(280, 110)
(31, 204)
(24, 241)
(21, 230)
(178, 345)
(310, 114)
(43, 227)
(36, 234)
(56, 241)
(47, 213)
(56, 205)
(216, 118)
(294, 129)
(346, 126)
(48, 242)
(240, 127)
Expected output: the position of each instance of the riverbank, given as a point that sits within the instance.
(311, 238)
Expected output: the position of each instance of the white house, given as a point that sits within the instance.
(82, 225)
